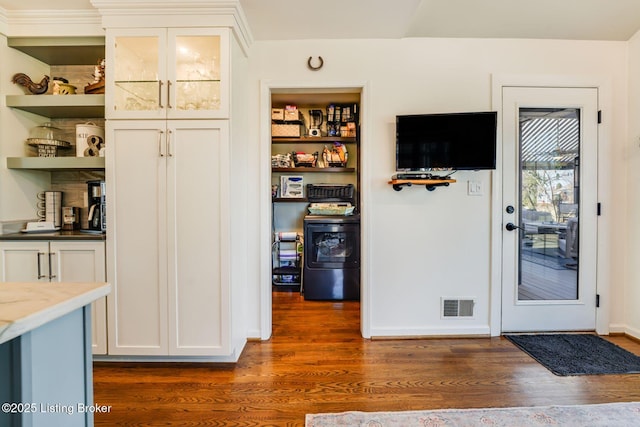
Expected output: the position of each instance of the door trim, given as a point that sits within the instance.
(264, 240)
(604, 86)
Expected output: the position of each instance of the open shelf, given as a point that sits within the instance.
(61, 50)
(55, 163)
(312, 139)
(290, 200)
(59, 106)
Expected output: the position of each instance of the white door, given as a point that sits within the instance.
(550, 142)
(198, 240)
(136, 238)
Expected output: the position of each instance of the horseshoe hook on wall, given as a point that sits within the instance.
(315, 68)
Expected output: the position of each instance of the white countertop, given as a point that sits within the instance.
(26, 306)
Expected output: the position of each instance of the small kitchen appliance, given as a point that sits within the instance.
(97, 217)
(315, 121)
(50, 207)
(70, 218)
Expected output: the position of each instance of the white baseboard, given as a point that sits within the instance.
(625, 329)
(474, 331)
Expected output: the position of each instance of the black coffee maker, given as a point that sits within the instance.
(97, 217)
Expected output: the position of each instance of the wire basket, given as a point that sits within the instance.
(330, 192)
(303, 160)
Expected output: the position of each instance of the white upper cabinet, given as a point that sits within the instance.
(173, 73)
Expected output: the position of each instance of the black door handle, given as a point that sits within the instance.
(511, 226)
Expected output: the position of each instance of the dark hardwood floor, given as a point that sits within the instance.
(316, 362)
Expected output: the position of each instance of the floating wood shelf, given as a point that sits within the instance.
(430, 184)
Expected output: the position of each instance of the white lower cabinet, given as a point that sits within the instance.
(59, 261)
(168, 244)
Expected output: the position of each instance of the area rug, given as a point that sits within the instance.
(601, 415)
(577, 354)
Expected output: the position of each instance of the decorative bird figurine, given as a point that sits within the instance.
(35, 88)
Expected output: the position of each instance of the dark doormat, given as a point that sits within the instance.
(577, 354)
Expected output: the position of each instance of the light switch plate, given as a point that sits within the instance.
(475, 188)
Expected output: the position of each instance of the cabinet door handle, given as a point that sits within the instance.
(160, 94)
(51, 275)
(169, 149)
(160, 145)
(40, 275)
(169, 94)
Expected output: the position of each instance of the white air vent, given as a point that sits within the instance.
(457, 307)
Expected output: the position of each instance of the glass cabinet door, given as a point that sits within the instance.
(138, 74)
(197, 73)
(167, 73)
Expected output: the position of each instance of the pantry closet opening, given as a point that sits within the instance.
(315, 138)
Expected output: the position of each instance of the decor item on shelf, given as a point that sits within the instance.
(304, 160)
(89, 140)
(97, 86)
(33, 88)
(48, 139)
(61, 86)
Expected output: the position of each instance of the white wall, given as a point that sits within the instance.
(631, 294)
(425, 245)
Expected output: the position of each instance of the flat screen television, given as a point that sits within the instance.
(450, 141)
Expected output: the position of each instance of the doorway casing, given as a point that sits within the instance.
(267, 88)
(604, 226)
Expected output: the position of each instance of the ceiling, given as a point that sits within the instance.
(342, 19)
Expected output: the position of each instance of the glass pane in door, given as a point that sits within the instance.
(549, 203)
(136, 76)
(197, 73)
